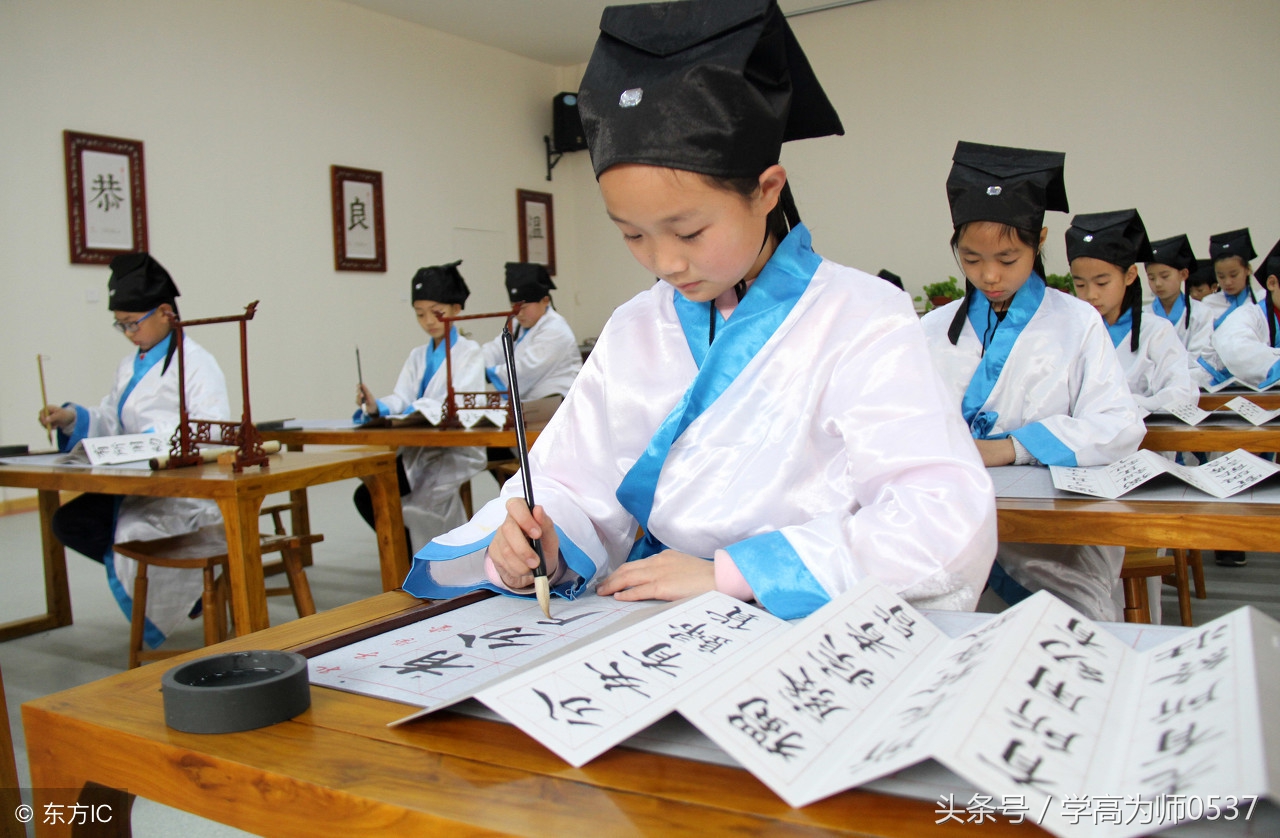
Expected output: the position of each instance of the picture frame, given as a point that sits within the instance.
(536, 222)
(106, 196)
(359, 229)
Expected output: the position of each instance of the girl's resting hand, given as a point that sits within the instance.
(668, 576)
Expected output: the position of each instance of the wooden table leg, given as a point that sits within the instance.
(244, 563)
(9, 797)
(393, 554)
(300, 516)
(57, 593)
(66, 802)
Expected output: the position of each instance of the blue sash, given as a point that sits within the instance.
(995, 355)
(435, 360)
(1233, 303)
(1123, 326)
(773, 295)
(142, 363)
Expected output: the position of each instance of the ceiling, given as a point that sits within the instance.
(557, 32)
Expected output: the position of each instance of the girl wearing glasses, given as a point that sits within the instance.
(143, 399)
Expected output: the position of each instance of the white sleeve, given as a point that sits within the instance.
(1167, 374)
(1243, 342)
(406, 390)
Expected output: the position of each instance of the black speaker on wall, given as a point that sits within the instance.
(566, 124)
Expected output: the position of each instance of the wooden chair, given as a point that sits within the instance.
(9, 797)
(206, 550)
(1140, 565)
(1194, 561)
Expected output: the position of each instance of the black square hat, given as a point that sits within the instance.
(1013, 186)
(1231, 243)
(440, 284)
(1117, 237)
(701, 85)
(1270, 266)
(139, 283)
(1175, 252)
(527, 282)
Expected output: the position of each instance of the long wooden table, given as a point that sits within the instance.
(338, 770)
(1172, 435)
(424, 436)
(239, 496)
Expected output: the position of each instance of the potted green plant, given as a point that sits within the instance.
(941, 293)
(1062, 282)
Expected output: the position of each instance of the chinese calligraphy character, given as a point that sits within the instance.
(358, 215)
(428, 664)
(106, 196)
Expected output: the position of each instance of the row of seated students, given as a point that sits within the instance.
(777, 426)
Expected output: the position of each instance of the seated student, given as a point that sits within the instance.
(1103, 250)
(430, 477)
(1034, 372)
(769, 418)
(1247, 340)
(547, 356)
(1202, 282)
(144, 399)
(1169, 276)
(1230, 253)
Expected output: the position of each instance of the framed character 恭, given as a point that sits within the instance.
(106, 196)
(537, 228)
(359, 237)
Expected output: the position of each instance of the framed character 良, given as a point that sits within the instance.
(359, 237)
(537, 228)
(106, 196)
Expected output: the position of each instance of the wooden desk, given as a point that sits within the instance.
(1269, 400)
(239, 497)
(1195, 525)
(1173, 435)
(424, 436)
(338, 770)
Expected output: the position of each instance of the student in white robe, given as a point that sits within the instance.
(1032, 368)
(1230, 253)
(1247, 340)
(546, 351)
(1103, 250)
(430, 477)
(769, 418)
(1169, 277)
(143, 400)
(1203, 281)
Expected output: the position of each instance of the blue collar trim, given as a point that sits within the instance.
(1021, 309)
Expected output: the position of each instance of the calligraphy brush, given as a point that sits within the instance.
(44, 398)
(541, 584)
(360, 379)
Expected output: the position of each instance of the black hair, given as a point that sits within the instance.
(1031, 238)
(1133, 302)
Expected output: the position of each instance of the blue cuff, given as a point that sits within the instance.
(420, 583)
(1218, 375)
(1044, 446)
(780, 580)
(1273, 375)
(78, 433)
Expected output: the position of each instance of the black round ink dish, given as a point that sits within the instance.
(235, 691)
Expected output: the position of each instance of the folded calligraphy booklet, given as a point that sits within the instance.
(1227, 475)
(1234, 382)
(1193, 414)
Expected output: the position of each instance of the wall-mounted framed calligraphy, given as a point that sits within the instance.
(359, 234)
(106, 196)
(537, 228)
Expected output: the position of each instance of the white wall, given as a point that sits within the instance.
(1170, 106)
(1166, 105)
(243, 105)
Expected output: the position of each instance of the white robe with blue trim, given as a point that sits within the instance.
(1197, 337)
(835, 454)
(1159, 372)
(547, 358)
(1063, 394)
(152, 407)
(433, 505)
(1243, 342)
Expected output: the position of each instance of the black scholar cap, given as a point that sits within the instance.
(1231, 243)
(139, 283)
(440, 284)
(1175, 252)
(701, 85)
(1013, 186)
(1119, 238)
(1270, 266)
(890, 277)
(527, 282)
